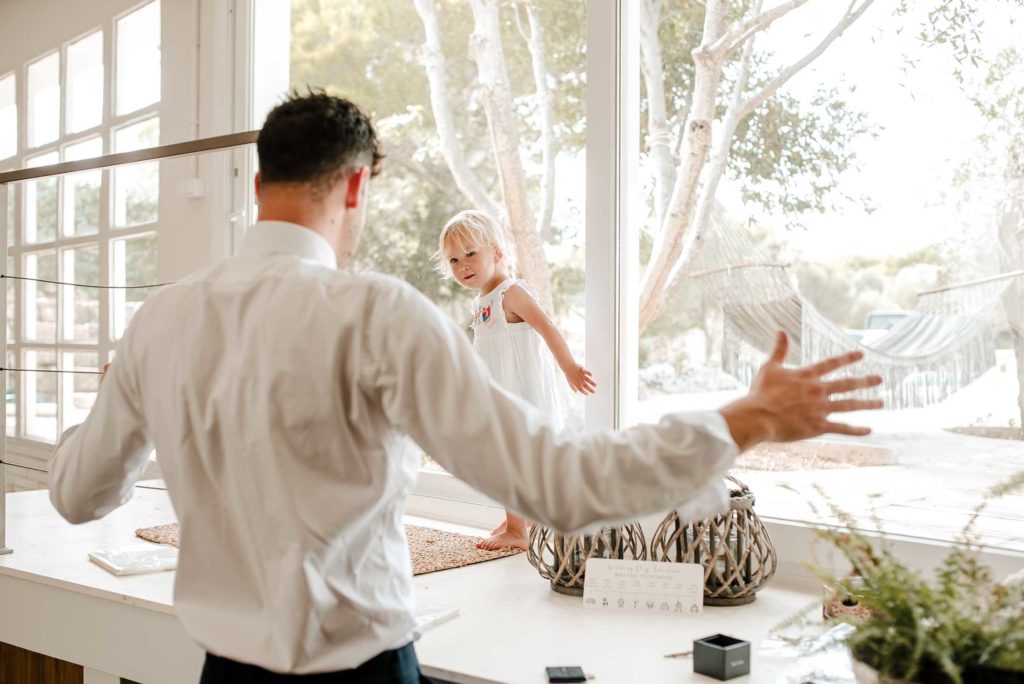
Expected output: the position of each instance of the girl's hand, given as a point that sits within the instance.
(580, 379)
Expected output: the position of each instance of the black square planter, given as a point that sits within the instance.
(722, 657)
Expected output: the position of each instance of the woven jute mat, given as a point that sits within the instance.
(431, 550)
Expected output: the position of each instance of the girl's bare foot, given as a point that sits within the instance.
(506, 539)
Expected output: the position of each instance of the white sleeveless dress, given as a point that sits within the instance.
(515, 353)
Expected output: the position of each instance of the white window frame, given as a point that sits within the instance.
(21, 446)
(612, 249)
(612, 269)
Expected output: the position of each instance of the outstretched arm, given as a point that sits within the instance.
(526, 307)
(433, 387)
(98, 462)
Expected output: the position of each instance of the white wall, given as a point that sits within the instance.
(28, 28)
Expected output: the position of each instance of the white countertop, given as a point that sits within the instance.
(510, 624)
(49, 550)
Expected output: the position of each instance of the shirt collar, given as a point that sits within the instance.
(281, 237)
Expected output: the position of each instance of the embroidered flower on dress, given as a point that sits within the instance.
(483, 315)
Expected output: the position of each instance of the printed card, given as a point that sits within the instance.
(646, 586)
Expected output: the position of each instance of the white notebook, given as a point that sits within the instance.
(136, 560)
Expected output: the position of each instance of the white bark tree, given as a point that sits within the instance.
(691, 148)
(495, 93)
(707, 139)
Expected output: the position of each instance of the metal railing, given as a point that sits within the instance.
(211, 144)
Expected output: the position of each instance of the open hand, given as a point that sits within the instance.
(789, 404)
(580, 379)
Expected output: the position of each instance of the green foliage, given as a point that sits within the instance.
(142, 196)
(370, 53)
(948, 629)
(46, 210)
(787, 156)
(87, 208)
(140, 267)
(953, 24)
(848, 289)
(365, 51)
(1000, 99)
(567, 286)
(401, 236)
(790, 158)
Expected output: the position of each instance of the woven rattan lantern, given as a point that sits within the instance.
(563, 559)
(734, 548)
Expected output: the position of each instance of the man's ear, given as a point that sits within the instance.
(256, 183)
(354, 190)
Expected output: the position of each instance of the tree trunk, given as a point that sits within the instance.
(696, 143)
(716, 166)
(486, 48)
(659, 130)
(538, 59)
(694, 192)
(432, 56)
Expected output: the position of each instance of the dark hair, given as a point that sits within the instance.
(316, 138)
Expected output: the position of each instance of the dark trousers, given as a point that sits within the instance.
(390, 667)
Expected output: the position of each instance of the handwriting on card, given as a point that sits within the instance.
(646, 586)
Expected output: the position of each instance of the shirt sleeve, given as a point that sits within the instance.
(98, 462)
(434, 387)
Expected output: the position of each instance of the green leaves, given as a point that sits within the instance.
(939, 630)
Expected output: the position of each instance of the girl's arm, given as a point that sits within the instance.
(519, 303)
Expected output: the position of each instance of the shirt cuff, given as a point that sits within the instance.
(711, 500)
(718, 427)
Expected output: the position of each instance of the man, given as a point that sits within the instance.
(279, 391)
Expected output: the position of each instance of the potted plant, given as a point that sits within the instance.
(959, 626)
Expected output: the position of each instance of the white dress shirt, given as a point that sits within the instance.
(280, 393)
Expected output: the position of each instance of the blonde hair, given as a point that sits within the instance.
(470, 227)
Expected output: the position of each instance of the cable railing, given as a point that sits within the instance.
(211, 144)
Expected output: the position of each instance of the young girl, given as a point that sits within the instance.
(509, 332)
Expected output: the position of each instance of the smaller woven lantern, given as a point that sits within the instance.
(563, 559)
(734, 548)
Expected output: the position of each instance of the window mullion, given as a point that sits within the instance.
(106, 193)
(611, 244)
(4, 199)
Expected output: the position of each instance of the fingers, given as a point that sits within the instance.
(851, 384)
(781, 348)
(844, 429)
(836, 362)
(582, 381)
(847, 405)
(588, 383)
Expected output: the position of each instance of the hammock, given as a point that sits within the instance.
(944, 345)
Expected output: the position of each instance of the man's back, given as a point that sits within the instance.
(277, 392)
(283, 471)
